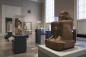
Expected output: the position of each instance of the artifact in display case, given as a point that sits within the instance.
(8, 25)
(19, 44)
(62, 37)
(19, 27)
(15, 27)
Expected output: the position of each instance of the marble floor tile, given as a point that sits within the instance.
(6, 48)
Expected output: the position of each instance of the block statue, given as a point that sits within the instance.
(62, 37)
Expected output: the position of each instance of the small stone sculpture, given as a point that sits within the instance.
(62, 37)
(19, 28)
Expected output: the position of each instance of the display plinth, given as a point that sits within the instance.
(78, 51)
(19, 44)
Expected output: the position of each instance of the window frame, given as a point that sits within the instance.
(46, 18)
(79, 12)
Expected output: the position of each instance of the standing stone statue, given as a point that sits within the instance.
(62, 37)
(19, 28)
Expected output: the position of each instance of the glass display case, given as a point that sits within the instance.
(19, 26)
(19, 44)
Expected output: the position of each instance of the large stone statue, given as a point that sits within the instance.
(62, 37)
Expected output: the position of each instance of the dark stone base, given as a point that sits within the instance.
(19, 45)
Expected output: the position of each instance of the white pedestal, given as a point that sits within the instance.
(78, 51)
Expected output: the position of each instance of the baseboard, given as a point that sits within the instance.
(81, 35)
(1, 35)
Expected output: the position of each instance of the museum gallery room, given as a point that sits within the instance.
(42, 28)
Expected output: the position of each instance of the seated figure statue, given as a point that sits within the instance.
(62, 37)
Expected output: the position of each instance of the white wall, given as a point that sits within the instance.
(8, 2)
(81, 25)
(35, 15)
(10, 8)
(9, 11)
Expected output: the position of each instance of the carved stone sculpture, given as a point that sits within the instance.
(62, 37)
(19, 28)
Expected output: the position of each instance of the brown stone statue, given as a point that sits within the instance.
(62, 37)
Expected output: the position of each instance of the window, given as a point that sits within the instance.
(49, 11)
(81, 9)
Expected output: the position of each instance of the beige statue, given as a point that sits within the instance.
(62, 37)
(19, 28)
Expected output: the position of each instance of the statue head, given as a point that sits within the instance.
(65, 16)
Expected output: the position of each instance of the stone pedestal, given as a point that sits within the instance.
(78, 51)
